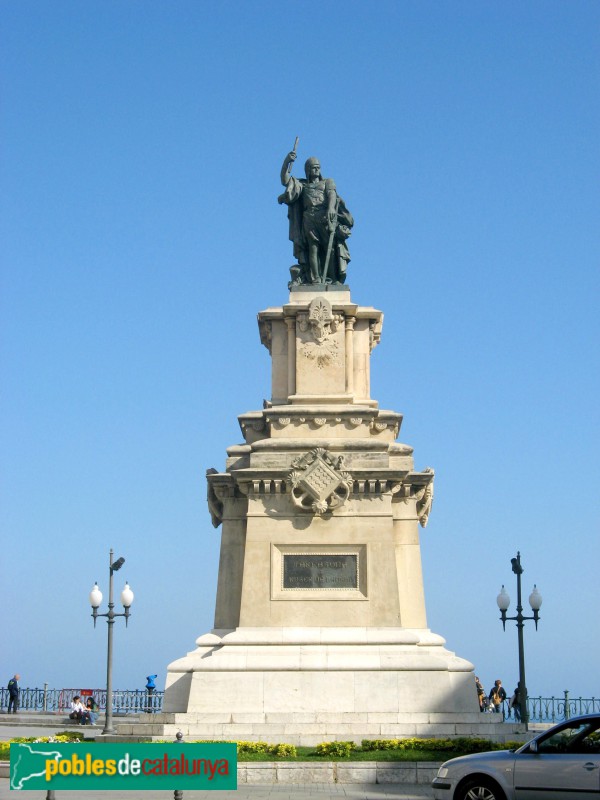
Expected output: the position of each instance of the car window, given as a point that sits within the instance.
(582, 738)
(588, 744)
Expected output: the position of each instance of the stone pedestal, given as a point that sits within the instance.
(320, 624)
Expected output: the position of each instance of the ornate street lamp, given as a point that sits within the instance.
(535, 601)
(95, 600)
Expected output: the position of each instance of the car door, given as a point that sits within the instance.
(566, 766)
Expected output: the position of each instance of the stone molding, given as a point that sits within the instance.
(322, 636)
(257, 425)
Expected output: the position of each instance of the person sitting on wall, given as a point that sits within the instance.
(90, 715)
(77, 709)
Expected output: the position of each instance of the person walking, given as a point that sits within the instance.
(13, 694)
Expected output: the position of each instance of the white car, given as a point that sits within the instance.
(563, 763)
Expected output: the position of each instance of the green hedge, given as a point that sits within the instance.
(335, 749)
(412, 747)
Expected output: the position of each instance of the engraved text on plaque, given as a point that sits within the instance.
(320, 571)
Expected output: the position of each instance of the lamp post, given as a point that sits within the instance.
(95, 600)
(535, 601)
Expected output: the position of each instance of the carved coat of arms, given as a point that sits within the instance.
(317, 482)
(321, 323)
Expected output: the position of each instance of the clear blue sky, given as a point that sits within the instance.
(141, 148)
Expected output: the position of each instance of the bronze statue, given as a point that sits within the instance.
(320, 223)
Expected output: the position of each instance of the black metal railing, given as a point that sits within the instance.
(125, 701)
(138, 701)
(555, 709)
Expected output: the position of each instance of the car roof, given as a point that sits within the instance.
(580, 718)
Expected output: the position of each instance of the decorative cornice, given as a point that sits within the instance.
(258, 486)
(318, 484)
(377, 423)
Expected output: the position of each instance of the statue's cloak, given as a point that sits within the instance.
(290, 197)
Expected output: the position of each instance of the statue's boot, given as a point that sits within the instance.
(314, 267)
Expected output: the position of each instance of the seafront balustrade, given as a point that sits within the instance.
(556, 709)
(125, 701)
(138, 701)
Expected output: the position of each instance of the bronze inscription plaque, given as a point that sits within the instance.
(320, 571)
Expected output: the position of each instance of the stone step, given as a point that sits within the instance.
(312, 733)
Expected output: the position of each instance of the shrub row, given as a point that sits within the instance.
(336, 749)
(270, 749)
(66, 736)
(461, 744)
(464, 744)
(243, 747)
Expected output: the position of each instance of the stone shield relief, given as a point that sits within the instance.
(317, 483)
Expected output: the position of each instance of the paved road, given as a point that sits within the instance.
(8, 732)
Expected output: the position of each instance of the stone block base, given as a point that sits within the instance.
(329, 728)
(304, 686)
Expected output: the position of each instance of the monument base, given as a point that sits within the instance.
(303, 686)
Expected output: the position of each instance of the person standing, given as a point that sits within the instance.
(497, 696)
(480, 694)
(13, 694)
(515, 704)
(150, 687)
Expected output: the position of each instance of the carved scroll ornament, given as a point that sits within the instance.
(425, 500)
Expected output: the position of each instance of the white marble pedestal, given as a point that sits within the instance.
(320, 624)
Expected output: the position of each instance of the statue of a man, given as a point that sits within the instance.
(320, 223)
